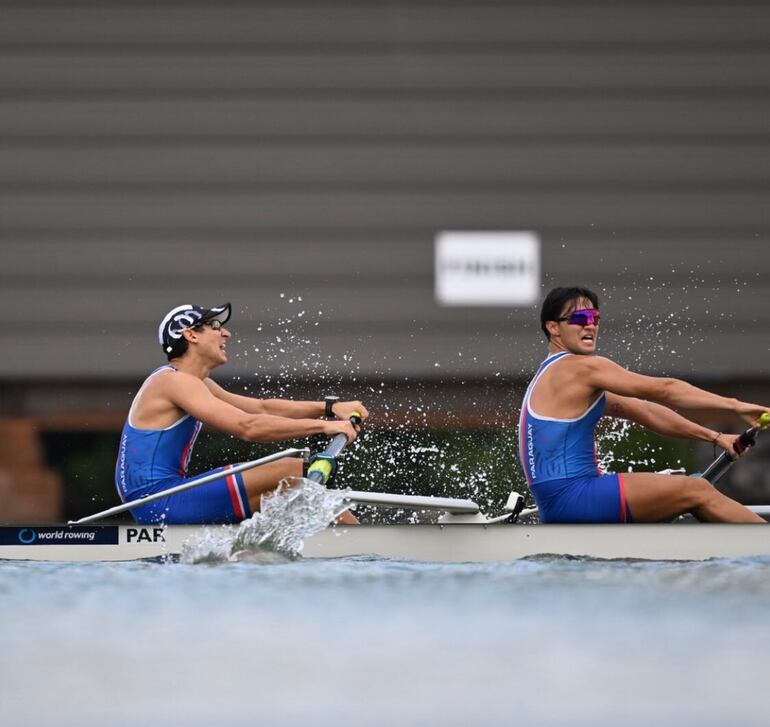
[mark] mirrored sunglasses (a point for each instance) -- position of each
(584, 317)
(215, 323)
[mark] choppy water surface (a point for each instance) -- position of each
(548, 641)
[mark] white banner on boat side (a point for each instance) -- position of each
(487, 268)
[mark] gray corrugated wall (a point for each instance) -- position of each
(158, 153)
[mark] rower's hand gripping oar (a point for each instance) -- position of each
(723, 463)
(324, 464)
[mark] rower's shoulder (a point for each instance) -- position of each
(585, 363)
(169, 379)
(584, 368)
(593, 362)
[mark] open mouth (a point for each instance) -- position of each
(587, 337)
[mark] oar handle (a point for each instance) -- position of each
(323, 466)
(723, 463)
(340, 441)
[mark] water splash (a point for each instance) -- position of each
(420, 439)
(611, 434)
(297, 509)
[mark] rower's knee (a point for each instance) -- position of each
(700, 492)
(296, 467)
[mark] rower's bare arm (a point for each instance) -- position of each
(286, 407)
(605, 375)
(657, 418)
(244, 403)
(668, 423)
(194, 397)
(276, 407)
(306, 409)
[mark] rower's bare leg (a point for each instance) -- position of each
(266, 477)
(347, 518)
(658, 498)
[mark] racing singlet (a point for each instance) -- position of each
(149, 457)
(557, 449)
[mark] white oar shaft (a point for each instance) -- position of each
(188, 486)
(418, 502)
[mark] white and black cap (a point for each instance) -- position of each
(187, 316)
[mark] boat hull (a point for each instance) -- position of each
(440, 543)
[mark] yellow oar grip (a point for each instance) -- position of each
(323, 467)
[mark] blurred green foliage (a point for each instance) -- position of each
(85, 461)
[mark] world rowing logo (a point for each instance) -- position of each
(27, 536)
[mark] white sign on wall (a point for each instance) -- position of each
(487, 268)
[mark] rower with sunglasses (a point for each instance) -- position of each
(175, 401)
(569, 394)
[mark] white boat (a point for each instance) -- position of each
(440, 543)
(462, 535)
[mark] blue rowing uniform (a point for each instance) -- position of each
(558, 457)
(151, 460)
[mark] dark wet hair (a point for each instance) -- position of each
(555, 301)
(179, 350)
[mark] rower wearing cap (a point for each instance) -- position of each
(572, 390)
(174, 402)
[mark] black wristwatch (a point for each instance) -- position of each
(330, 401)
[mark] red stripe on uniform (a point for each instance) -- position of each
(188, 449)
(235, 496)
(185, 456)
(623, 506)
